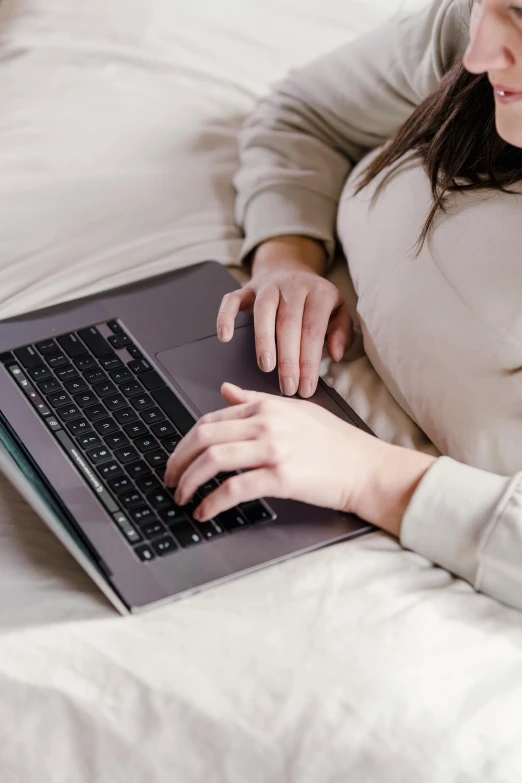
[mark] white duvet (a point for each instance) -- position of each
(360, 662)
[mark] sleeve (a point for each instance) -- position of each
(298, 147)
(469, 522)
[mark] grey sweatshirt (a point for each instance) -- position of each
(297, 152)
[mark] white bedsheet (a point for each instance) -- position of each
(357, 663)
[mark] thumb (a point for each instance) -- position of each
(339, 335)
(234, 395)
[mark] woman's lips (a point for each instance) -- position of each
(506, 94)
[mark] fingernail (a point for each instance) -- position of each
(339, 351)
(289, 387)
(305, 389)
(265, 361)
(223, 333)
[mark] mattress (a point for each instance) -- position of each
(360, 662)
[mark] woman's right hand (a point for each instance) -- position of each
(294, 304)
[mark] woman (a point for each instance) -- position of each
(442, 92)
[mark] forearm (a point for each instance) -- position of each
(287, 252)
(398, 472)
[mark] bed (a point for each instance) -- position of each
(360, 662)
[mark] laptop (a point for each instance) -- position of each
(95, 394)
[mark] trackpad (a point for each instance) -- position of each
(201, 367)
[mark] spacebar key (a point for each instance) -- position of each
(174, 409)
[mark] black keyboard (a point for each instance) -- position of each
(118, 421)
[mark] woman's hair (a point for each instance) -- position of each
(453, 131)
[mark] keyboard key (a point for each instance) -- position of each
(144, 552)
(126, 340)
(108, 470)
(152, 415)
(210, 529)
(59, 398)
(115, 341)
(66, 372)
(141, 402)
(85, 399)
(172, 514)
(130, 499)
(95, 412)
(140, 365)
(144, 514)
(56, 359)
(207, 488)
(69, 412)
(49, 386)
(111, 362)
(78, 426)
(97, 344)
(116, 440)
(255, 512)
(76, 385)
(151, 380)
(146, 444)
(152, 529)
(135, 352)
(72, 345)
(121, 376)
(131, 388)
(99, 455)
(46, 346)
(85, 362)
(174, 409)
(126, 454)
(106, 426)
(104, 389)
(171, 442)
(28, 356)
(148, 484)
(40, 373)
(185, 534)
(115, 327)
(160, 500)
(126, 528)
(163, 428)
(136, 429)
(231, 520)
(125, 415)
(120, 484)
(164, 546)
(95, 375)
(89, 440)
(115, 401)
(137, 469)
(156, 458)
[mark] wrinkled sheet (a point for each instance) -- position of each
(361, 662)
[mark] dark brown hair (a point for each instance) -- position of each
(453, 131)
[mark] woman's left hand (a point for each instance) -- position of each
(292, 449)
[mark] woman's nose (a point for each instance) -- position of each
(489, 48)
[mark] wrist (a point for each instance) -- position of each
(290, 252)
(396, 475)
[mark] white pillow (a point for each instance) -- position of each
(443, 330)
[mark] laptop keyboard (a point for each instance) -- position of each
(118, 422)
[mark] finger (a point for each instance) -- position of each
(315, 323)
(265, 313)
(231, 304)
(235, 395)
(288, 329)
(223, 458)
(238, 489)
(339, 333)
(202, 437)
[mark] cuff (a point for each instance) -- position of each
(289, 211)
(450, 513)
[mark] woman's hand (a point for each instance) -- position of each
(293, 449)
(292, 302)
